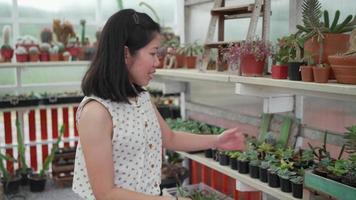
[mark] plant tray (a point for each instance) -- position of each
(196, 187)
(329, 187)
(18, 103)
(61, 100)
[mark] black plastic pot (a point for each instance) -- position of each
(234, 164)
(254, 171)
(37, 183)
(224, 159)
(297, 190)
(349, 180)
(208, 153)
(273, 180)
(293, 71)
(335, 178)
(12, 186)
(24, 176)
(243, 166)
(285, 185)
(263, 175)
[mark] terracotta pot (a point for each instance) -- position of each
(65, 57)
(44, 57)
(54, 57)
(161, 62)
(191, 61)
(345, 74)
(342, 60)
(180, 60)
(307, 73)
(321, 74)
(34, 57)
(7, 54)
(21, 57)
(344, 68)
(279, 71)
(333, 44)
(250, 66)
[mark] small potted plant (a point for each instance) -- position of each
(34, 54)
(272, 174)
(280, 60)
(250, 55)
(243, 163)
(263, 170)
(9, 181)
(66, 56)
(54, 53)
(297, 186)
(254, 164)
(285, 174)
(224, 159)
(21, 54)
(38, 180)
(295, 59)
(307, 70)
(234, 155)
(6, 50)
(44, 51)
(191, 52)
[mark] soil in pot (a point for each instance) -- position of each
(320, 172)
(263, 175)
(254, 171)
(243, 166)
(297, 190)
(37, 183)
(273, 180)
(285, 185)
(234, 164)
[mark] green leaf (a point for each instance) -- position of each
(336, 19)
(326, 19)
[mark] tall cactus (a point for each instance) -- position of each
(46, 35)
(82, 24)
(6, 31)
(347, 25)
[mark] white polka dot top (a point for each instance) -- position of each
(137, 148)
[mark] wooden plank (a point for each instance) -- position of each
(233, 10)
(285, 129)
(253, 24)
(329, 187)
(265, 123)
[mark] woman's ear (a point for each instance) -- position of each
(127, 55)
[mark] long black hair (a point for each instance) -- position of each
(107, 76)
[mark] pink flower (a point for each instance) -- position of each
(260, 49)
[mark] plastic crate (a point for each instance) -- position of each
(198, 187)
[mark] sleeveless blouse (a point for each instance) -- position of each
(136, 145)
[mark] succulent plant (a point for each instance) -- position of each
(20, 50)
(6, 31)
(44, 47)
(33, 50)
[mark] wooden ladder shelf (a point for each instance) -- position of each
(220, 13)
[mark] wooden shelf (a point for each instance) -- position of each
(192, 74)
(233, 10)
(263, 86)
(45, 64)
(246, 179)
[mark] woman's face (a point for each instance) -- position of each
(142, 65)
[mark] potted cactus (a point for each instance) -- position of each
(234, 155)
(6, 50)
(66, 56)
(21, 54)
(44, 52)
(54, 53)
(34, 53)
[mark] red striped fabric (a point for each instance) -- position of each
(44, 133)
(32, 136)
(8, 139)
